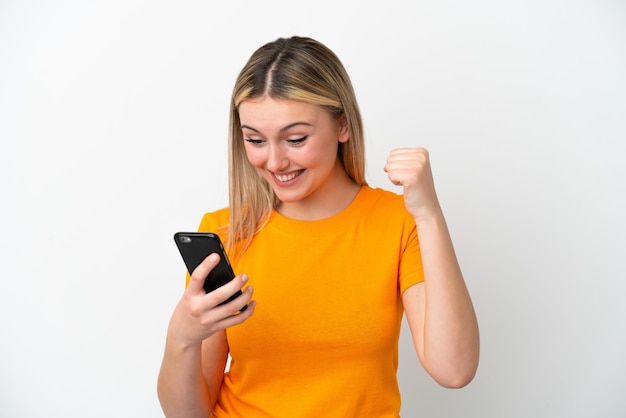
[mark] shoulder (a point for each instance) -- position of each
(385, 208)
(381, 199)
(215, 221)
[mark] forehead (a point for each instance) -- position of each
(266, 113)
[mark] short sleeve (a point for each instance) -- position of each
(215, 222)
(411, 271)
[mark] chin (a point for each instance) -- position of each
(289, 197)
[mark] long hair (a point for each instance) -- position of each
(295, 68)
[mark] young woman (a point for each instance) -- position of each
(334, 263)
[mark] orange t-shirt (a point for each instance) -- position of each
(323, 341)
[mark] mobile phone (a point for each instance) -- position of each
(194, 247)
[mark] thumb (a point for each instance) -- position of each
(195, 280)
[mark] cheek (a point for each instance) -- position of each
(324, 154)
(255, 156)
(311, 159)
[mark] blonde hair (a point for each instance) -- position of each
(295, 68)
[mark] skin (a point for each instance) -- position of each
(195, 349)
(439, 310)
(286, 138)
(293, 145)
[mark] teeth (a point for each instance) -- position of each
(287, 177)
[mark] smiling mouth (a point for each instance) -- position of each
(283, 178)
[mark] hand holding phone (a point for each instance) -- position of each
(194, 247)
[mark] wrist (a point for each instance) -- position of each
(430, 217)
(177, 340)
(182, 346)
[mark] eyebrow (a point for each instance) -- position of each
(283, 129)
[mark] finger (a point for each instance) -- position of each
(237, 317)
(232, 313)
(237, 305)
(408, 151)
(199, 275)
(403, 176)
(406, 158)
(419, 155)
(227, 290)
(217, 319)
(210, 315)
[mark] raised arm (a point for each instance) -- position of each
(439, 311)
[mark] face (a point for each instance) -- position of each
(294, 146)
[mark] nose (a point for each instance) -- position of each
(277, 160)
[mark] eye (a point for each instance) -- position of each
(297, 141)
(254, 141)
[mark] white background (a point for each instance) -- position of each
(113, 121)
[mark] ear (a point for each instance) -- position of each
(344, 129)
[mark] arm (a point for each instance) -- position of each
(190, 376)
(196, 348)
(439, 310)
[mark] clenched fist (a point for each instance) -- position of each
(410, 168)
